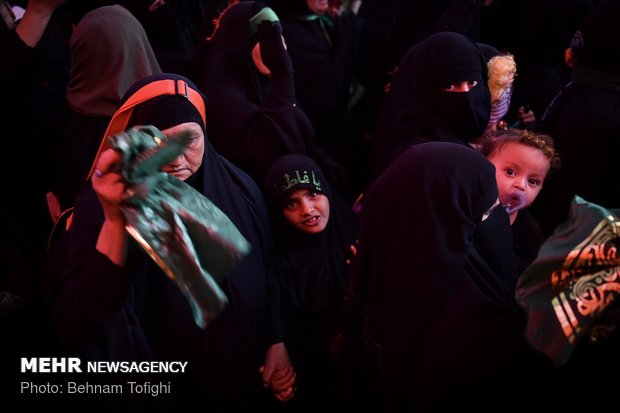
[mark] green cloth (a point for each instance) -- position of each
(326, 24)
(188, 237)
(570, 292)
(264, 14)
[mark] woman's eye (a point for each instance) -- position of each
(290, 205)
(313, 194)
(472, 83)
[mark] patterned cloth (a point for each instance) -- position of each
(570, 292)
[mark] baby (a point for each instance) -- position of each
(522, 161)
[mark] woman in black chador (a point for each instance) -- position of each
(115, 303)
(248, 80)
(439, 322)
(322, 49)
(584, 120)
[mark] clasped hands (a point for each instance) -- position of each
(278, 373)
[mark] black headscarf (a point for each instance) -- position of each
(102, 45)
(312, 266)
(596, 43)
(249, 127)
(541, 64)
(109, 52)
(415, 109)
(439, 318)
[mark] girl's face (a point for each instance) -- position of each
(307, 211)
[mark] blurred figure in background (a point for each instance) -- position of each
(584, 120)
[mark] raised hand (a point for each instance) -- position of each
(109, 184)
(272, 49)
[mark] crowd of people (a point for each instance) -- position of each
(379, 159)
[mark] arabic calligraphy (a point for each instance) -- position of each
(301, 178)
(588, 282)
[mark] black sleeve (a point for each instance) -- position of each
(18, 59)
(92, 314)
(527, 238)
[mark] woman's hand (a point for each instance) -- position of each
(109, 185)
(110, 188)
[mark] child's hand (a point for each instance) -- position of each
(283, 383)
(525, 115)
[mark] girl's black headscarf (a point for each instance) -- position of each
(416, 110)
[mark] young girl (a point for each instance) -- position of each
(522, 161)
(314, 229)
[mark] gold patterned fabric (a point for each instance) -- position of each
(571, 291)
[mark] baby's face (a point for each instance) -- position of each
(520, 171)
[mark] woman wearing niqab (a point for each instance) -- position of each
(417, 110)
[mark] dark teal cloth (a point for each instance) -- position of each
(570, 291)
(188, 237)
